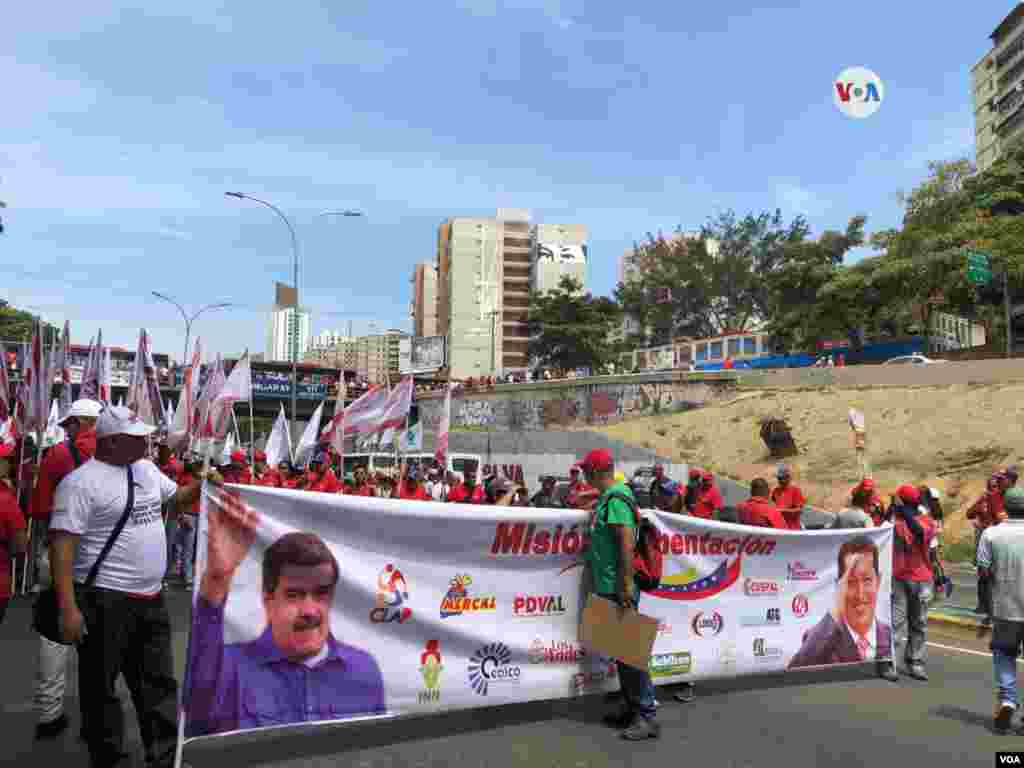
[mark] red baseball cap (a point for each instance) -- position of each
(705, 475)
(261, 456)
(909, 494)
(598, 460)
(238, 456)
(6, 450)
(867, 484)
(694, 473)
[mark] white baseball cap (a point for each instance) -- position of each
(118, 420)
(87, 409)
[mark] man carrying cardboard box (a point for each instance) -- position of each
(610, 556)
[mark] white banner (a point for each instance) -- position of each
(314, 607)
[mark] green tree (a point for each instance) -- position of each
(18, 325)
(570, 329)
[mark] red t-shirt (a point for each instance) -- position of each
(238, 476)
(787, 499)
(915, 564)
(269, 479)
(171, 469)
(760, 512)
(55, 467)
(11, 522)
(708, 500)
(420, 494)
(323, 483)
(362, 490)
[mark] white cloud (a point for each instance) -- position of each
(795, 199)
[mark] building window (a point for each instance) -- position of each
(716, 350)
(749, 346)
(702, 353)
(734, 347)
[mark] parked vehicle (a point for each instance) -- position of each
(912, 360)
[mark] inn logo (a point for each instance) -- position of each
(707, 624)
(491, 665)
(392, 596)
(430, 669)
(458, 601)
(799, 572)
(771, 617)
(538, 606)
(858, 92)
(560, 652)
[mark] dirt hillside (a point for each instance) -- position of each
(952, 438)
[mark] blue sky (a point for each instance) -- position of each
(123, 127)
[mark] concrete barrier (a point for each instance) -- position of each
(947, 373)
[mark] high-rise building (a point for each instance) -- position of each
(997, 83)
(288, 329)
(486, 267)
(333, 349)
(377, 356)
(424, 300)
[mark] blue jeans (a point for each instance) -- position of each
(185, 546)
(1007, 637)
(171, 526)
(636, 685)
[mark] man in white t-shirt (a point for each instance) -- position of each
(119, 623)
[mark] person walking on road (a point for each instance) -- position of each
(119, 622)
(788, 497)
(13, 538)
(986, 512)
(1001, 558)
(60, 461)
(613, 532)
(912, 581)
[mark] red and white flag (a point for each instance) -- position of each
(214, 384)
(181, 428)
(143, 391)
(237, 389)
(359, 418)
(64, 371)
(105, 373)
(441, 449)
(5, 387)
(33, 416)
(90, 387)
(396, 409)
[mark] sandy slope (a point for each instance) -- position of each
(949, 437)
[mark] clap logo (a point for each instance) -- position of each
(858, 92)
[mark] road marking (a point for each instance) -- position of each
(962, 650)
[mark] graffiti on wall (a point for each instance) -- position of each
(568, 406)
(511, 472)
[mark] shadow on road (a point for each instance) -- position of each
(965, 716)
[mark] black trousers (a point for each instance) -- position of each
(130, 636)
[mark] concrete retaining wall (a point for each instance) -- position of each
(946, 373)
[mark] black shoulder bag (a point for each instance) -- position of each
(45, 611)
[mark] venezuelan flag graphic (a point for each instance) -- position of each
(689, 585)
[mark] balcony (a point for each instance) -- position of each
(1010, 51)
(517, 242)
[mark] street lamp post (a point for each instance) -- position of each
(294, 337)
(189, 320)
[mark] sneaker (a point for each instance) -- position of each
(917, 672)
(52, 729)
(1003, 716)
(642, 730)
(687, 694)
(888, 672)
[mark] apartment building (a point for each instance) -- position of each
(424, 300)
(997, 83)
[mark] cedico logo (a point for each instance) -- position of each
(707, 624)
(490, 665)
(858, 92)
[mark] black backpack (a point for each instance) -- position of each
(647, 556)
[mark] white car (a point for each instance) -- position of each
(912, 360)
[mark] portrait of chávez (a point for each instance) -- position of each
(295, 671)
(850, 632)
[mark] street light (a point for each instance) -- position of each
(189, 320)
(294, 345)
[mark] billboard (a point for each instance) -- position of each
(562, 254)
(421, 354)
(274, 384)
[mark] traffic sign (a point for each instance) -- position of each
(979, 267)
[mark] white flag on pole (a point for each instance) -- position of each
(279, 446)
(54, 433)
(237, 389)
(225, 453)
(308, 442)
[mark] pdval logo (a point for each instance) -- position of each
(858, 92)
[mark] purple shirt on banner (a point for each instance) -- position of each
(252, 685)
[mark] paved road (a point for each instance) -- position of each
(800, 720)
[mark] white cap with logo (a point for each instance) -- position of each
(118, 420)
(86, 409)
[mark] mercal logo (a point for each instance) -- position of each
(799, 572)
(458, 601)
(535, 606)
(707, 624)
(858, 92)
(392, 594)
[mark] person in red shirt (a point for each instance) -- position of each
(759, 510)
(13, 536)
(166, 461)
(321, 478)
(238, 471)
(361, 486)
(60, 461)
(581, 495)
(263, 475)
(789, 498)
(709, 498)
(912, 580)
(864, 496)
(412, 489)
(987, 511)
(467, 491)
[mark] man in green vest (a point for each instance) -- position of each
(610, 557)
